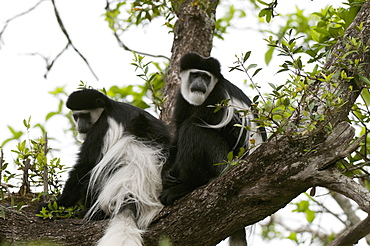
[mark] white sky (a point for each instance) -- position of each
(24, 91)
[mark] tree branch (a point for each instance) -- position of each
(353, 234)
(276, 172)
(122, 45)
(70, 43)
(15, 17)
(346, 206)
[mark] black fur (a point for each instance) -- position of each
(196, 148)
(194, 61)
(134, 120)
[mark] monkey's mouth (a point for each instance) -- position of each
(198, 87)
(198, 91)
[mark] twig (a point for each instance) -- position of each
(70, 43)
(15, 17)
(1, 164)
(326, 209)
(25, 188)
(122, 45)
(13, 211)
(45, 174)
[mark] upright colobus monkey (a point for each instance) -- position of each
(204, 137)
(118, 172)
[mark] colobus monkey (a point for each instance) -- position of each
(118, 171)
(204, 137)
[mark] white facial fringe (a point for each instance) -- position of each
(246, 120)
(129, 172)
(195, 98)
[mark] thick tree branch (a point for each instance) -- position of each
(276, 172)
(268, 179)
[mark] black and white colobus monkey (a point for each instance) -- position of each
(118, 172)
(203, 137)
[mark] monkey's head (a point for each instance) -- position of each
(199, 76)
(87, 106)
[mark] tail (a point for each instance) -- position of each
(122, 231)
(238, 238)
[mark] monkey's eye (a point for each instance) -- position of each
(75, 117)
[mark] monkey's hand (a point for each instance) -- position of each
(168, 180)
(167, 197)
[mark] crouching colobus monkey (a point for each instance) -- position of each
(204, 137)
(118, 171)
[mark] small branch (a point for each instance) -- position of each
(122, 45)
(13, 211)
(70, 43)
(1, 164)
(45, 174)
(335, 181)
(353, 234)
(25, 188)
(317, 233)
(346, 206)
(15, 17)
(327, 210)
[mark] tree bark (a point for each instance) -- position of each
(193, 32)
(268, 179)
(277, 171)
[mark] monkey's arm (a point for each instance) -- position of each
(198, 149)
(75, 187)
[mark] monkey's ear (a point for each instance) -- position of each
(100, 103)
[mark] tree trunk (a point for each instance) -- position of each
(267, 180)
(277, 171)
(193, 32)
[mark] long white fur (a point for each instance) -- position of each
(198, 98)
(122, 230)
(129, 172)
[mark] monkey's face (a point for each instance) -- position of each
(196, 85)
(84, 119)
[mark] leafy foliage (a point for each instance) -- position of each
(304, 41)
(140, 12)
(54, 211)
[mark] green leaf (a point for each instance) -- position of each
(272, 86)
(268, 55)
(262, 2)
(365, 96)
(251, 66)
(230, 156)
(263, 13)
(49, 115)
(246, 56)
(310, 215)
(363, 78)
(293, 236)
(241, 152)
